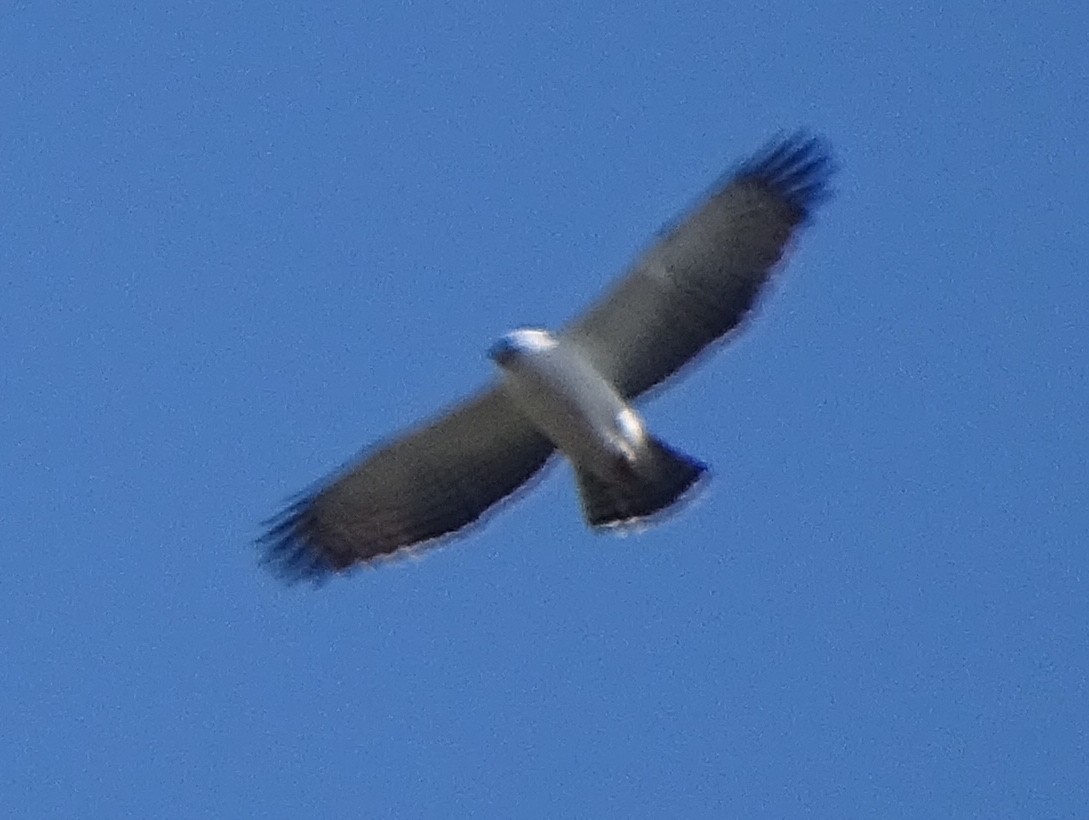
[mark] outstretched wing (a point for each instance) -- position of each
(428, 483)
(698, 282)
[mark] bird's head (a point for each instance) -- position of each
(520, 343)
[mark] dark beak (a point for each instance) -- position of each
(502, 351)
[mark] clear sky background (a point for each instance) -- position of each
(239, 245)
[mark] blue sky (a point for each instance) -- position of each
(239, 245)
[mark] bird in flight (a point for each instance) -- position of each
(571, 390)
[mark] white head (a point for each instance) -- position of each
(520, 343)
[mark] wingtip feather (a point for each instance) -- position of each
(797, 168)
(287, 548)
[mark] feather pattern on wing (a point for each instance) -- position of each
(705, 274)
(416, 488)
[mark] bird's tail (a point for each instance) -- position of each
(657, 481)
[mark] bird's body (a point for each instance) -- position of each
(624, 474)
(571, 390)
(570, 402)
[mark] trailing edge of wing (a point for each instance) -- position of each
(415, 489)
(704, 275)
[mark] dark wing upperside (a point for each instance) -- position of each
(701, 279)
(426, 484)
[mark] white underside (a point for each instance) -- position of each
(572, 404)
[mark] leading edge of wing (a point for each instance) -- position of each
(298, 545)
(794, 172)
